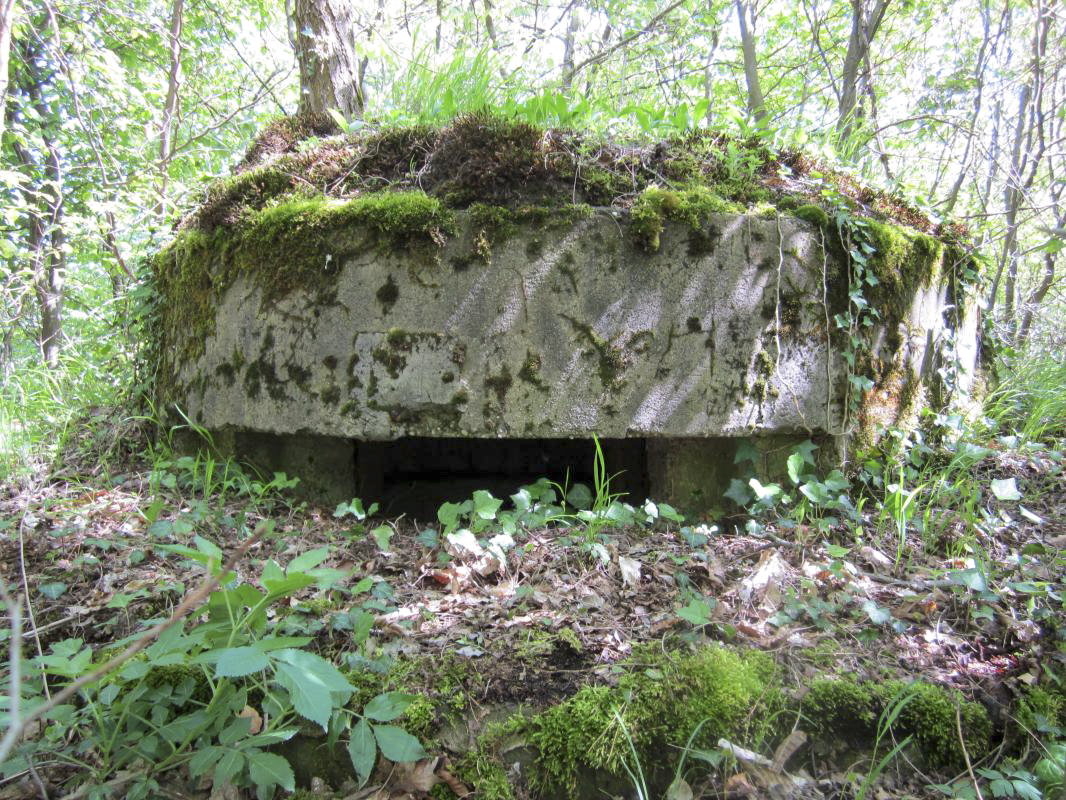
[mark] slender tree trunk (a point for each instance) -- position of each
(1036, 297)
(7, 21)
(45, 236)
(331, 72)
(569, 42)
(864, 27)
(1027, 154)
(983, 55)
(746, 18)
(172, 104)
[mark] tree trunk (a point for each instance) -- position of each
(331, 72)
(7, 20)
(746, 17)
(863, 29)
(45, 236)
(172, 103)
(568, 49)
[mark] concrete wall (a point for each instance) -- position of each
(567, 331)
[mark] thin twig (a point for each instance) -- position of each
(41, 788)
(14, 673)
(965, 754)
(600, 56)
(26, 594)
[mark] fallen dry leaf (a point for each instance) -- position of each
(417, 776)
(630, 569)
(256, 720)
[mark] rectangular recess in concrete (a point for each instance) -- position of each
(414, 475)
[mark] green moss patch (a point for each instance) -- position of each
(902, 262)
(813, 214)
(296, 244)
(692, 207)
(852, 710)
(657, 706)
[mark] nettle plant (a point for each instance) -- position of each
(212, 699)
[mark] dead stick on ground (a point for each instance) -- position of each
(191, 601)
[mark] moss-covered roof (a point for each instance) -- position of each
(486, 159)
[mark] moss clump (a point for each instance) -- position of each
(654, 207)
(297, 244)
(902, 262)
(722, 692)
(530, 371)
(226, 200)
(282, 135)
(929, 716)
(500, 382)
(853, 710)
(841, 708)
(813, 214)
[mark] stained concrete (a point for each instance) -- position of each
(561, 332)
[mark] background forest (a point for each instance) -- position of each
(118, 114)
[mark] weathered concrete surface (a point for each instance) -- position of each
(568, 331)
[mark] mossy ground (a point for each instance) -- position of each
(658, 703)
(854, 711)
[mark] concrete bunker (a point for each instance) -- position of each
(369, 343)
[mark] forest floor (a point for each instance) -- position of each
(971, 607)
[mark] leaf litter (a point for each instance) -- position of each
(537, 616)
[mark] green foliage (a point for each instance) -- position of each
(1029, 400)
(193, 697)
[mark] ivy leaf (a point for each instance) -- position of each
(767, 492)
(382, 535)
(362, 750)
(816, 492)
(580, 496)
(795, 468)
(835, 481)
(448, 515)
(877, 615)
(52, 590)
(746, 452)
(971, 578)
(397, 744)
(698, 612)
(485, 505)
(739, 492)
